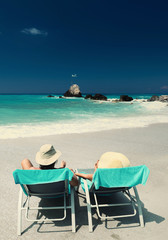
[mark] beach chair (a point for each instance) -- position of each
(45, 184)
(110, 181)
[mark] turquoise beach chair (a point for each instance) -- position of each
(109, 181)
(44, 184)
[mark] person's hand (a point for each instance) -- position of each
(63, 164)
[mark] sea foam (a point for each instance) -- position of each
(30, 116)
(100, 124)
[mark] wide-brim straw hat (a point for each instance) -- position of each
(47, 155)
(113, 160)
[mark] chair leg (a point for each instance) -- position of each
(73, 210)
(89, 209)
(141, 219)
(90, 217)
(19, 224)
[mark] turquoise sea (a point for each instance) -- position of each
(38, 115)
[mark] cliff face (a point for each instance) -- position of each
(74, 91)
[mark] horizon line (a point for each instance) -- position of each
(118, 93)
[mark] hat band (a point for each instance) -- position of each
(49, 154)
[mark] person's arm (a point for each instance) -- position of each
(84, 175)
(88, 176)
(63, 164)
(27, 165)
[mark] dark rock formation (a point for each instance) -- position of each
(89, 96)
(153, 98)
(125, 98)
(96, 97)
(99, 97)
(50, 96)
(74, 91)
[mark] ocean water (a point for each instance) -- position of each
(38, 115)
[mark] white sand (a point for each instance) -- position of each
(141, 145)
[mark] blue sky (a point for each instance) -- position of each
(108, 46)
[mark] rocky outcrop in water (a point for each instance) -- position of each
(125, 98)
(74, 91)
(153, 98)
(162, 98)
(88, 96)
(50, 96)
(97, 96)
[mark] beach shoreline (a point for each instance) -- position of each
(147, 145)
(32, 116)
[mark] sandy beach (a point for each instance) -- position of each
(147, 145)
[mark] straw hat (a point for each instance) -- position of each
(113, 160)
(47, 155)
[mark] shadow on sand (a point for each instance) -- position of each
(82, 218)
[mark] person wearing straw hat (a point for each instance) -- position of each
(108, 160)
(47, 157)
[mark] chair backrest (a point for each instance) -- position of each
(43, 182)
(47, 189)
(105, 190)
(120, 177)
